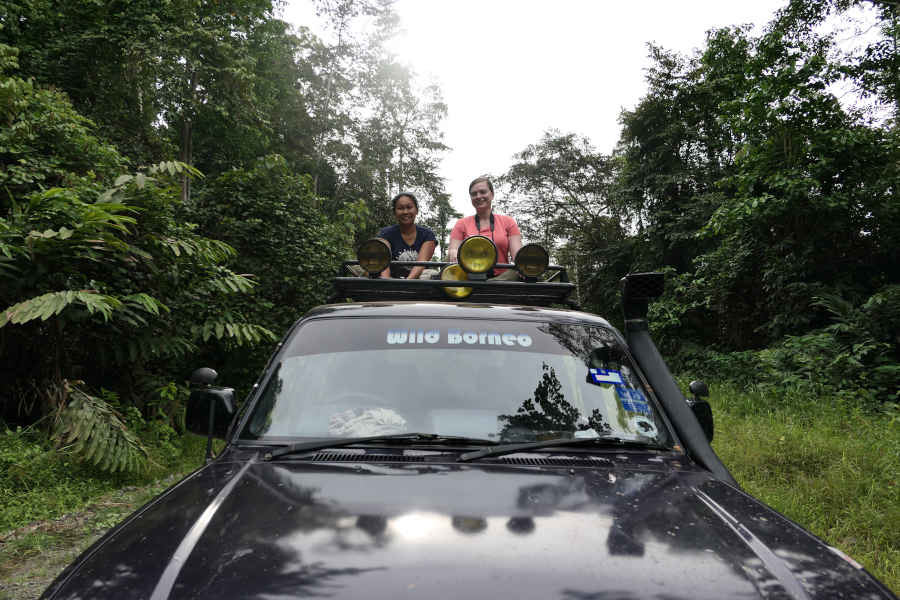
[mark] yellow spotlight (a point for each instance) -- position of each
(374, 255)
(477, 254)
(532, 260)
(455, 273)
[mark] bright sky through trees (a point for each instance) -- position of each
(509, 70)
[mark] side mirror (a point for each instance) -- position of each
(203, 376)
(699, 389)
(701, 408)
(209, 409)
(211, 404)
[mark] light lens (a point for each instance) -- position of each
(374, 256)
(532, 260)
(455, 273)
(477, 254)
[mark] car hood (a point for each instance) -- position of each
(633, 527)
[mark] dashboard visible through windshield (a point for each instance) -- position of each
(508, 381)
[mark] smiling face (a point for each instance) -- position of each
(405, 210)
(482, 197)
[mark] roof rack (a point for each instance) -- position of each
(553, 289)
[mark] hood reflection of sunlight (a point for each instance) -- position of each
(417, 526)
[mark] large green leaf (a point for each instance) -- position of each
(52, 304)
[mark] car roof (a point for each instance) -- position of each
(454, 310)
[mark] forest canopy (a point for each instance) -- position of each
(770, 202)
(181, 179)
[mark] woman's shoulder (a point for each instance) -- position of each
(505, 218)
(462, 224)
(468, 220)
(389, 230)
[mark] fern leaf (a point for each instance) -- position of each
(88, 445)
(113, 455)
(49, 305)
(101, 452)
(98, 434)
(147, 302)
(84, 427)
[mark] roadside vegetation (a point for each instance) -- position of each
(52, 506)
(39, 482)
(830, 465)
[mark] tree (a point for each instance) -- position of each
(97, 265)
(148, 74)
(562, 191)
(440, 215)
(282, 237)
(562, 185)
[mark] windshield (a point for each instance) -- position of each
(508, 381)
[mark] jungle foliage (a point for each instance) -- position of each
(177, 181)
(770, 201)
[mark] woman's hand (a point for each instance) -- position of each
(453, 250)
(425, 254)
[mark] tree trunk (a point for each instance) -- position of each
(187, 140)
(186, 156)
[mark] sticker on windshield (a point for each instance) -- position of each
(606, 376)
(633, 400)
(643, 426)
(457, 337)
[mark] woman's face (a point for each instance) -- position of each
(405, 210)
(481, 196)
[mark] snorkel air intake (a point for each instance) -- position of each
(638, 289)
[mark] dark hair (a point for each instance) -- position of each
(400, 195)
(482, 179)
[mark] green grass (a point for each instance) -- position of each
(38, 483)
(833, 469)
(31, 556)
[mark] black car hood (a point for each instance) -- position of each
(635, 527)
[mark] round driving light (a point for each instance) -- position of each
(374, 256)
(532, 260)
(455, 273)
(477, 254)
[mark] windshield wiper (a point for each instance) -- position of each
(512, 448)
(341, 443)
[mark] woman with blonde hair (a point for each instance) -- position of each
(500, 229)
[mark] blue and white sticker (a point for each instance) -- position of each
(606, 376)
(632, 400)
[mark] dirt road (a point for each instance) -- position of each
(31, 556)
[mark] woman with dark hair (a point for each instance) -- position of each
(408, 241)
(501, 229)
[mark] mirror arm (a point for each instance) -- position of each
(209, 437)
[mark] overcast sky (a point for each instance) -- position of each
(511, 69)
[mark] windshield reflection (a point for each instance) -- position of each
(504, 381)
(547, 412)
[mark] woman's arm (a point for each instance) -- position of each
(425, 254)
(515, 244)
(453, 249)
(386, 274)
